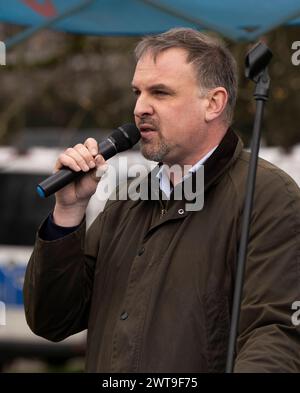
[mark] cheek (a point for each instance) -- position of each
(178, 122)
(187, 119)
(174, 115)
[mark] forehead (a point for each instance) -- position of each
(169, 66)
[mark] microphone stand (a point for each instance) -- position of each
(256, 64)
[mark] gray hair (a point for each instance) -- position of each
(213, 62)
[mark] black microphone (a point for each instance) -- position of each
(123, 138)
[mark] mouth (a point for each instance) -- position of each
(147, 134)
(144, 128)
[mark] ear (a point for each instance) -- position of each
(216, 102)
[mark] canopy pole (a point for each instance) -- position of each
(24, 35)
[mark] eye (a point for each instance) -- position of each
(160, 92)
(136, 92)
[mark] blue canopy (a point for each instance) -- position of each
(240, 20)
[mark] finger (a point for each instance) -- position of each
(101, 168)
(76, 157)
(85, 155)
(92, 145)
(99, 160)
(69, 162)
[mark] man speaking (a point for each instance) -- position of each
(152, 281)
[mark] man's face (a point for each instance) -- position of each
(170, 108)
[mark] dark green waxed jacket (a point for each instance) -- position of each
(153, 282)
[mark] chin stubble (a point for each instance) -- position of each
(154, 153)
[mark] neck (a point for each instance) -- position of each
(180, 168)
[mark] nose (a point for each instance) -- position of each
(143, 106)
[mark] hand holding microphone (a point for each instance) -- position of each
(72, 199)
(75, 179)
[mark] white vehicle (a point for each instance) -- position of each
(21, 212)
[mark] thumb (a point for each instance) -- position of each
(101, 167)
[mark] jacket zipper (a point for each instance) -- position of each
(164, 208)
(163, 212)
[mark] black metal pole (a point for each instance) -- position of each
(244, 238)
(261, 95)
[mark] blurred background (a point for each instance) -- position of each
(65, 81)
(58, 88)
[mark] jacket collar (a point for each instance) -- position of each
(215, 166)
(223, 157)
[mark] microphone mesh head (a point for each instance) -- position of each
(126, 136)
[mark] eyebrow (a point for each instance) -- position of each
(158, 86)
